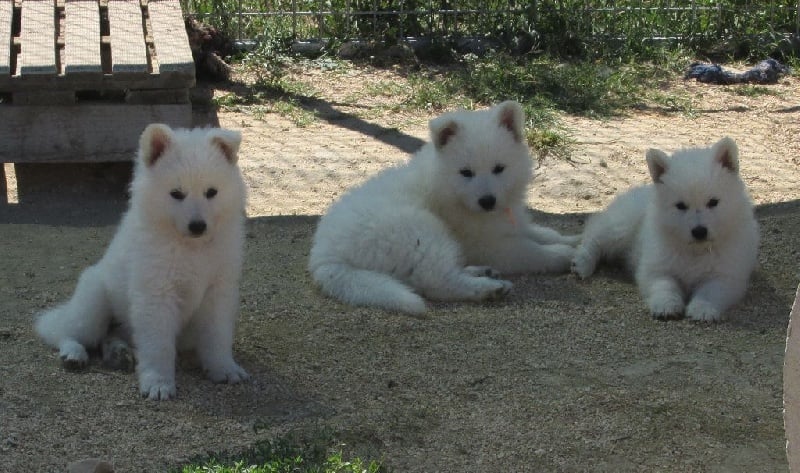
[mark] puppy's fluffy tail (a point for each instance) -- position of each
(367, 288)
(49, 327)
(84, 318)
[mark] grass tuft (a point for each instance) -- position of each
(321, 453)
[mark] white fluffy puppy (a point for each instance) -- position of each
(170, 276)
(690, 237)
(409, 231)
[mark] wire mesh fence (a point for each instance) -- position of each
(581, 19)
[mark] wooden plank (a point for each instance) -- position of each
(94, 82)
(6, 7)
(169, 36)
(81, 133)
(82, 38)
(128, 50)
(38, 38)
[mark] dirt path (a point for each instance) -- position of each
(561, 376)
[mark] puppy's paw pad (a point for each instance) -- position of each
(701, 311)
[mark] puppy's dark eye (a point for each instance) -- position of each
(712, 203)
(210, 193)
(498, 169)
(466, 172)
(681, 206)
(177, 195)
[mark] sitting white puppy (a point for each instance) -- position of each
(170, 277)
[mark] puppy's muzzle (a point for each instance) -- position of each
(487, 202)
(197, 227)
(700, 233)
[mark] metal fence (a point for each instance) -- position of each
(394, 19)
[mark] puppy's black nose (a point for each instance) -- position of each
(487, 202)
(197, 227)
(700, 233)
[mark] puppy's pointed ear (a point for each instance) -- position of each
(511, 117)
(726, 153)
(657, 163)
(443, 129)
(228, 142)
(155, 140)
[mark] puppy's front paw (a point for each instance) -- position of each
(702, 311)
(583, 264)
(73, 355)
(666, 306)
(560, 257)
(482, 271)
(230, 373)
(156, 387)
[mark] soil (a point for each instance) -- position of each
(562, 375)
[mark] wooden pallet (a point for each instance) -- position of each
(80, 79)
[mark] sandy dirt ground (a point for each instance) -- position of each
(562, 375)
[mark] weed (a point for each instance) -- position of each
(749, 90)
(293, 453)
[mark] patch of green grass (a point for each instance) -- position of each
(435, 91)
(550, 141)
(671, 102)
(290, 454)
(385, 89)
(272, 90)
(750, 90)
(547, 86)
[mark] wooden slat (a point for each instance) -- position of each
(82, 132)
(82, 38)
(38, 38)
(169, 35)
(128, 52)
(95, 82)
(5, 36)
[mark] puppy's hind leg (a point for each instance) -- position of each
(549, 236)
(460, 284)
(439, 274)
(80, 323)
(367, 288)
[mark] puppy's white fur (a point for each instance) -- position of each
(170, 276)
(409, 231)
(690, 237)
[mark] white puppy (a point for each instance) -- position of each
(170, 277)
(690, 237)
(409, 231)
